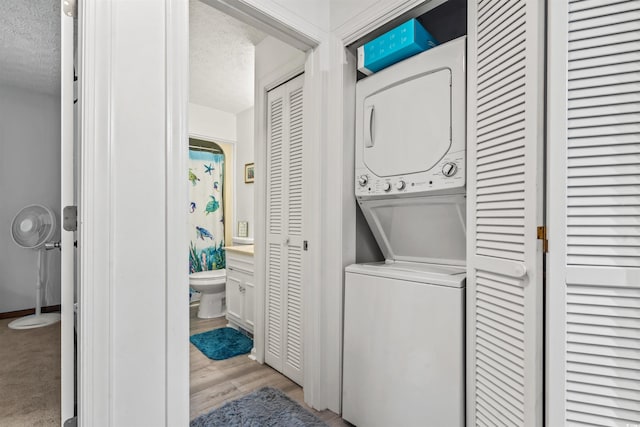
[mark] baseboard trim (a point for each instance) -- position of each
(28, 311)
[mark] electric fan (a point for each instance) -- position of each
(31, 228)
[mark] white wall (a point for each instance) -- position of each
(312, 12)
(342, 11)
(272, 54)
(244, 155)
(211, 123)
(308, 17)
(29, 173)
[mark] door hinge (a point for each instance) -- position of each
(70, 218)
(70, 8)
(542, 235)
(305, 246)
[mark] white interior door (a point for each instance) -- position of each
(284, 293)
(67, 168)
(594, 214)
(505, 206)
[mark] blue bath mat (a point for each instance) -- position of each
(222, 343)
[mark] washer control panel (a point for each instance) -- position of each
(449, 172)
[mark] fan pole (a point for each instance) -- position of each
(31, 228)
(39, 284)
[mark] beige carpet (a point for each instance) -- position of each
(29, 376)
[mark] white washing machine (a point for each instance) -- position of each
(404, 335)
(404, 345)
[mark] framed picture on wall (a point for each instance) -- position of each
(249, 173)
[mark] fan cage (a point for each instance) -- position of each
(42, 219)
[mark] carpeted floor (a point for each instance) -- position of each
(29, 376)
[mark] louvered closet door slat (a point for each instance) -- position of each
(295, 162)
(293, 362)
(597, 272)
(285, 203)
(275, 258)
(293, 333)
(274, 310)
(294, 345)
(504, 331)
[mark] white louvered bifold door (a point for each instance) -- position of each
(594, 213)
(283, 311)
(505, 205)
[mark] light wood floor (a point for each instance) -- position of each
(215, 382)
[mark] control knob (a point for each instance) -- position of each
(386, 186)
(449, 169)
(362, 180)
(400, 185)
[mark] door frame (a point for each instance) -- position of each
(67, 198)
(268, 17)
(556, 184)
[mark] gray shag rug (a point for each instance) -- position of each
(265, 407)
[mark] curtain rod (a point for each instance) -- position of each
(210, 150)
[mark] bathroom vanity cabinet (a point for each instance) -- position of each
(240, 287)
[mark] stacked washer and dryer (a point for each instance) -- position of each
(404, 318)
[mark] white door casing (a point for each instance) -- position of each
(593, 315)
(284, 275)
(505, 206)
(133, 357)
(67, 198)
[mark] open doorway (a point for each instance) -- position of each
(35, 390)
(229, 60)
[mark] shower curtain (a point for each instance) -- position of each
(206, 217)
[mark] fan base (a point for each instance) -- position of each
(35, 321)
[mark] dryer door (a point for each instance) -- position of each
(407, 125)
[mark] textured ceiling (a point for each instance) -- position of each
(221, 52)
(221, 58)
(30, 44)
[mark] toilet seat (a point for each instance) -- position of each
(210, 277)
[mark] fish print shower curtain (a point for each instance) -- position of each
(206, 217)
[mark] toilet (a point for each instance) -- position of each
(211, 284)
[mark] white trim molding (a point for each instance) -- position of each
(176, 149)
(133, 330)
(95, 240)
(556, 206)
(67, 198)
(379, 14)
(273, 19)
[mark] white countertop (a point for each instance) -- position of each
(241, 249)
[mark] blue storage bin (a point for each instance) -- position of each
(393, 46)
